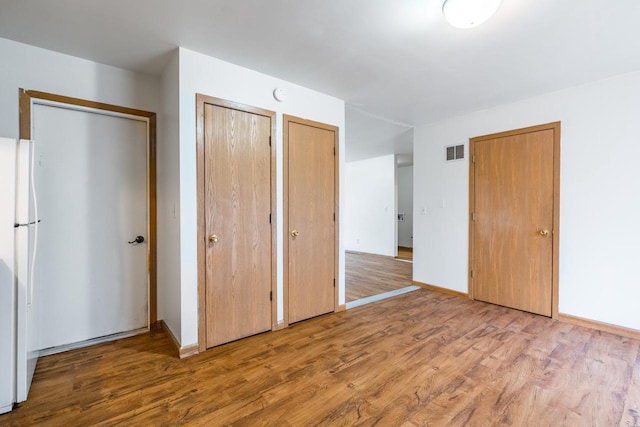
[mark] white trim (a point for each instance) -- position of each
(66, 106)
(379, 297)
(93, 341)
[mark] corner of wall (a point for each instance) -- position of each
(168, 194)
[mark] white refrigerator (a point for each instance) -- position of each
(18, 254)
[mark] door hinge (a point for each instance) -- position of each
(334, 283)
(473, 216)
(270, 295)
(334, 217)
(334, 151)
(269, 140)
(269, 218)
(474, 159)
(472, 273)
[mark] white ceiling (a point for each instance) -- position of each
(372, 136)
(395, 59)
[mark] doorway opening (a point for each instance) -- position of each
(404, 194)
(379, 228)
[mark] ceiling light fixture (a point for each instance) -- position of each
(468, 13)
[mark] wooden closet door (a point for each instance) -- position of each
(311, 219)
(237, 223)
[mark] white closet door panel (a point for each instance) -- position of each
(91, 173)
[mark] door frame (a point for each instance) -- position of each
(26, 101)
(286, 119)
(555, 126)
(201, 101)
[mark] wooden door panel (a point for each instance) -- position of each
(311, 207)
(237, 209)
(514, 193)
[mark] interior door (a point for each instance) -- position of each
(311, 226)
(237, 211)
(91, 175)
(513, 220)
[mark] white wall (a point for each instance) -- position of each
(370, 213)
(29, 67)
(599, 202)
(210, 76)
(405, 205)
(168, 199)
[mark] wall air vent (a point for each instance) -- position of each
(454, 152)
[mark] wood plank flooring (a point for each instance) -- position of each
(405, 253)
(419, 359)
(368, 275)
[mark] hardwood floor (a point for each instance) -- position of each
(405, 253)
(419, 359)
(368, 275)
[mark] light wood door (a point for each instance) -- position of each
(513, 220)
(310, 219)
(237, 208)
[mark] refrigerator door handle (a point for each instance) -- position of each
(26, 224)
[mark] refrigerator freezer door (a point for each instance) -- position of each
(22, 183)
(7, 278)
(23, 376)
(26, 343)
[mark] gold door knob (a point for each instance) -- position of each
(543, 233)
(295, 233)
(213, 238)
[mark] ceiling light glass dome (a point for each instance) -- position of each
(469, 13)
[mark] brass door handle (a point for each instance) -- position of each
(543, 233)
(213, 238)
(295, 233)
